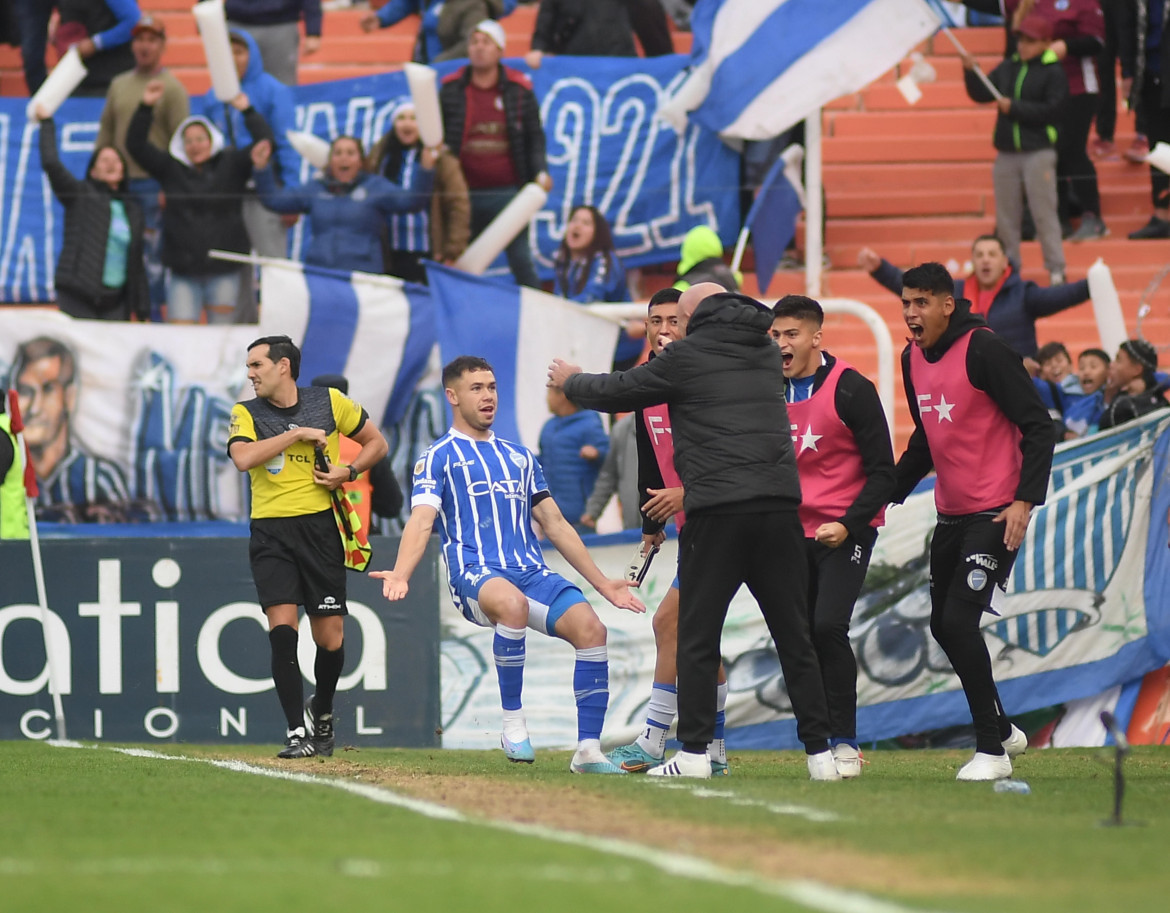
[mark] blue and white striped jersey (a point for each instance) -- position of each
(410, 230)
(483, 492)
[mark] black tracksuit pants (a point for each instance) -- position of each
(764, 550)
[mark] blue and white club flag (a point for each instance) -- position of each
(760, 66)
(772, 219)
(376, 330)
(519, 331)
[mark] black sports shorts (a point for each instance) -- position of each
(299, 561)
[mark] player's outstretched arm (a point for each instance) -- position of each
(416, 532)
(561, 534)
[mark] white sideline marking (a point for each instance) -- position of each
(811, 894)
(817, 815)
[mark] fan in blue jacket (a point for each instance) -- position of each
(269, 96)
(347, 207)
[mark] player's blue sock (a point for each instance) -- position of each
(591, 688)
(508, 652)
(660, 714)
(720, 709)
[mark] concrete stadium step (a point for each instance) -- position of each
(967, 147)
(907, 123)
(880, 202)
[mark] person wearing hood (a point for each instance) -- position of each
(100, 272)
(347, 206)
(980, 425)
(443, 232)
(701, 260)
(204, 183)
(724, 383)
(445, 25)
(1010, 304)
(273, 100)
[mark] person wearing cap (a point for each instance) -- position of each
(275, 26)
(445, 26)
(100, 30)
(724, 383)
(1033, 89)
(443, 232)
(491, 122)
(980, 425)
(1134, 387)
(1144, 48)
(148, 43)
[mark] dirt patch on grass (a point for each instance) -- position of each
(580, 808)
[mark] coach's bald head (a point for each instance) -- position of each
(691, 299)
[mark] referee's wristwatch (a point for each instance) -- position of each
(353, 473)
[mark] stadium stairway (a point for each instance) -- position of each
(912, 182)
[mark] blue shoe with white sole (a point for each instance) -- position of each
(518, 752)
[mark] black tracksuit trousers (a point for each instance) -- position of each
(766, 551)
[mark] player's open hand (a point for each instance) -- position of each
(664, 503)
(1015, 519)
(394, 587)
(560, 371)
(618, 593)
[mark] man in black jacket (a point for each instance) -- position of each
(1143, 44)
(725, 386)
(491, 123)
(980, 424)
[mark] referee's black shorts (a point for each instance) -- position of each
(299, 561)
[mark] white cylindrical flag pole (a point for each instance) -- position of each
(217, 47)
(424, 92)
(503, 228)
(66, 76)
(310, 147)
(1106, 307)
(814, 242)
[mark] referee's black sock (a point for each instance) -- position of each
(327, 670)
(286, 674)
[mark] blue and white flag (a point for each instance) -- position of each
(760, 66)
(519, 331)
(772, 219)
(376, 330)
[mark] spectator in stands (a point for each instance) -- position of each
(701, 260)
(1103, 147)
(618, 475)
(1033, 90)
(573, 445)
(491, 121)
(99, 275)
(443, 232)
(101, 31)
(1083, 414)
(1133, 389)
(650, 24)
(1056, 367)
(274, 25)
(267, 232)
(347, 206)
(1078, 30)
(204, 184)
(586, 267)
(584, 28)
(32, 18)
(446, 25)
(1011, 305)
(147, 44)
(1144, 48)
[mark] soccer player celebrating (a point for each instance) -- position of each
(486, 492)
(979, 423)
(846, 468)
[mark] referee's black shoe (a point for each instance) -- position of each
(298, 745)
(320, 727)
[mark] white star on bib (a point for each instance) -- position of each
(808, 440)
(943, 409)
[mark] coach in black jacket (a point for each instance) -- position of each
(733, 451)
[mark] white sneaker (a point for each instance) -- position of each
(986, 767)
(684, 764)
(848, 761)
(822, 766)
(1016, 743)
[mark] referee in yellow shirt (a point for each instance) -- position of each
(296, 552)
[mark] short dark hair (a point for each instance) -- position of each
(281, 347)
(989, 237)
(38, 349)
(1097, 353)
(668, 295)
(1051, 350)
(1142, 353)
(930, 277)
(456, 368)
(353, 139)
(799, 307)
